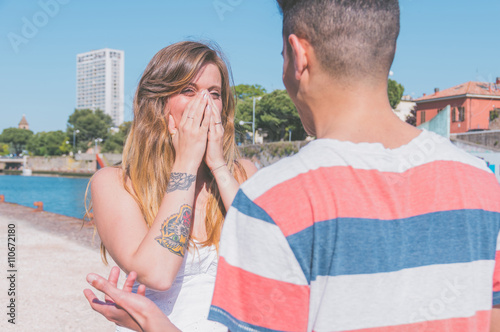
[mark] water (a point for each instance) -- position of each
(59, 194)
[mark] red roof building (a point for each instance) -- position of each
(471, 104)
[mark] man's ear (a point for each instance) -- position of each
(299, 49)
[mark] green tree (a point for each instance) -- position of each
(395, 92)
(115, 141)
(244, 106)
(244, 91)
(91, 124)
(52, 143)
(244, 109)
(275, 114)
(18, 138)
(412, 117)
(4, 149)
(494, 114)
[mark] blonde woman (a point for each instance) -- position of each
(160, 214)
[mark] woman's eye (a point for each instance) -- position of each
(215, 95)
(188, 92)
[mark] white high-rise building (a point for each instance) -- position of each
(100, 82)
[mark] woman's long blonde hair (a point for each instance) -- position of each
(148, 154)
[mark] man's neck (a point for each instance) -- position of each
(357, 114)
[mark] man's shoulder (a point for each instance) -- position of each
(431, 147)
(283, 170)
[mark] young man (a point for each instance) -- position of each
(374, 226)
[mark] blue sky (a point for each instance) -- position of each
(442, 43)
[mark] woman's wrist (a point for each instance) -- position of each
(187, 166)
(218, 167)
(222, 176)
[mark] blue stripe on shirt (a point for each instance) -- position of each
(496, 298)
(347, 246)
(219, 315)
(245, 205)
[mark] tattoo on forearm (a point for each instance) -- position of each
(180, 181)
(175, 231)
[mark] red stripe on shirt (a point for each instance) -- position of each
(345, 192)
(261, 301)
(479, 322)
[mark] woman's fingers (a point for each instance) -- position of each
(104, 308)
(188, 112)
(193, 108)
(90, 296)
(129, 283)
(141, 290)
(103, 285)
(111, 311)
(199, 110)
(215, 110)
(214, 156)
(207, 119)
(216, 127)
(114, 275)
(211, 131)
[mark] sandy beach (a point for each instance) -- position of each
(53, 255)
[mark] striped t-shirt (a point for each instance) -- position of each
(357, 237)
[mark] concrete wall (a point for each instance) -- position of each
(472, 147)
(61, 164)
(490, 139)
(261, 154)
(111, 159)
(82, 163)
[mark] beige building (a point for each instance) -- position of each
(24, 124)
(100, 82)
(405, 106)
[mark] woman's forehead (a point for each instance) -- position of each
(208, 76)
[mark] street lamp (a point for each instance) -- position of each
(253, 119)
(97, 140)
(74, 137)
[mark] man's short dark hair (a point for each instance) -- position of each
(351, 38)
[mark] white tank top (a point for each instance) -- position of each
(187, 302)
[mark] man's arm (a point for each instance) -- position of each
(125, 308)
